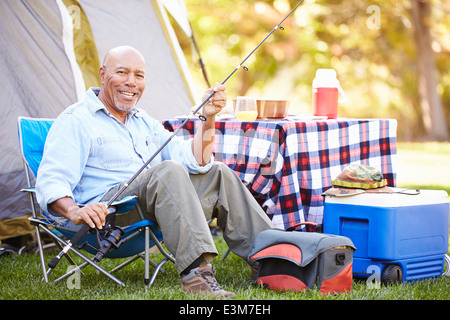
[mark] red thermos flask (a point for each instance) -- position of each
(326, 90)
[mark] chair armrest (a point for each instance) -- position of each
(124, 205)
(121, 206)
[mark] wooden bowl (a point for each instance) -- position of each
(272, 109)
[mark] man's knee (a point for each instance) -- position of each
(222, 167)
(170, 167)
(168, 171)
(225, 171)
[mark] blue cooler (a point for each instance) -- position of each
(402, 237)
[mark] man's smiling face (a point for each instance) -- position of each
(122, 78)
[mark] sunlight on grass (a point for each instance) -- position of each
(424, 165)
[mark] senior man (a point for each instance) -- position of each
(100, 142)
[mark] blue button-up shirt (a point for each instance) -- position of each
(88, 151)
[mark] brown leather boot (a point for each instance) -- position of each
(201, 280)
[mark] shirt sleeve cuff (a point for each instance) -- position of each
(192, 164)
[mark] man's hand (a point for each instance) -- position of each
(204, 138)
(93, 214)
(217, 101)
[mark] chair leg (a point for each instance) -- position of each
(149, 232)
(160, 248)
(37, 230)
(132, 259)
(69, 258)
(86, 259)
(41, 253)
(168, 257)
(155, 273)
(55, 239)
(147, 256)
(71, 272)
(226, 254)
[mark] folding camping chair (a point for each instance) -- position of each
(135, 242)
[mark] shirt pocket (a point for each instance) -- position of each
(148, 145)
(114, 153)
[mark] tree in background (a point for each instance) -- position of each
(378, 48)
(430, 101)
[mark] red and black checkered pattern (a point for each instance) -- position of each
(287, 165)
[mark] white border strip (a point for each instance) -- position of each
(67, 39)
(176, 50)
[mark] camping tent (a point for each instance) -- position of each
(50, 53)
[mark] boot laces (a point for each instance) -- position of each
(208, 276)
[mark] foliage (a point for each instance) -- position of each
(369, 43)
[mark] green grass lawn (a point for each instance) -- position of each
(20, 280)
(424, 166)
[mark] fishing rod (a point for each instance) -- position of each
(85, 228)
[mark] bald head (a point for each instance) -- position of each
(122, 53)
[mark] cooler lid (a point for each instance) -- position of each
(395, 199)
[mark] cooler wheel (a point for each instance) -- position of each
(392, 274)
(446, 266)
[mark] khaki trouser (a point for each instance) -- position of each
(182, 203)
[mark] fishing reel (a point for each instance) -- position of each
(108, 238)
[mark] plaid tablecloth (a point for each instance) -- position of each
(287, 165)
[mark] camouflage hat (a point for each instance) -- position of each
(360, 176)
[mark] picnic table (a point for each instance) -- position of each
(287, 164)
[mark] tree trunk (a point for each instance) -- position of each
(430, 102)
